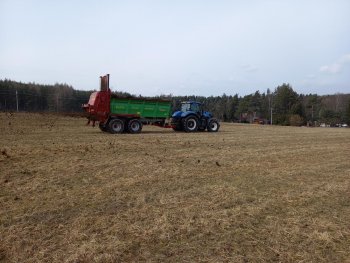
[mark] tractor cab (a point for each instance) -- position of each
(191, 106)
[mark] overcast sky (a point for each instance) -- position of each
(179, 47)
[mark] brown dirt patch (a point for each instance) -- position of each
(70, 193)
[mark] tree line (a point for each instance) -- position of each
(283, 106)
(34, 97)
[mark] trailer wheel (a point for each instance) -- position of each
(116, 126)
(103, 127)
(213, 125)
(190, 124)
(134, 126)
(126, 124)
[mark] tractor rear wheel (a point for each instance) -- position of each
(190, 124)
(116, 126)
(213, 125)
(134, 126)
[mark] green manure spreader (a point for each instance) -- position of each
(117, 115)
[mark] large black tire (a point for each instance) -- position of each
(202, 125)
(126, 124)
(134, 126)
(190, 124)
(177, 124)
(213, 125)
(178, 127)
(103, 127)
(116, 126)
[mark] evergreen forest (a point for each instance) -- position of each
(283, 105)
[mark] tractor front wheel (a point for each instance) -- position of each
(213, 125)
(176, 128)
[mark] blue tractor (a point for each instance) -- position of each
(193, 118)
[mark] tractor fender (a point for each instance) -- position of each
(189, 113)
(207, 115)
(182, 115)
(177, 114)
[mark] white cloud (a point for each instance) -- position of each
(249, 68)
(333, 69)
(310, 76)
(345, 59)
(337, 66)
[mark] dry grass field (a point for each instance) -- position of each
(249, 193)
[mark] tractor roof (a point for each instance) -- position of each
(191, 102)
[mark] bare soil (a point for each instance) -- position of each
(249, 193)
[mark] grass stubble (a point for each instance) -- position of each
(249, 193)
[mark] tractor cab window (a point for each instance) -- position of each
(195, 107)
(185, 107)
(190, 107)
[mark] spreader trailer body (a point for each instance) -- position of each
(117, 114)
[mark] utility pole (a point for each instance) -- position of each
(17, 100)
(57, 103)
(271, 115)
(269, 95)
